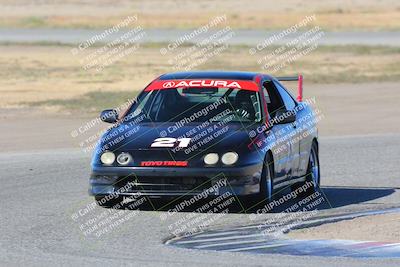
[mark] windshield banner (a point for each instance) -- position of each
(168, 84)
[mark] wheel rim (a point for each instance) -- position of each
(314, 167)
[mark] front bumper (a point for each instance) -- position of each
(175, 181)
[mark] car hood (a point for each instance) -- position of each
(216, 137)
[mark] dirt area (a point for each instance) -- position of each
(356, 109)
(30, 73)
(381, 228)
(331, 15)
(51, 79)
(45, 87)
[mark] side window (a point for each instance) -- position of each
(266, 96)
(272, 98)
(290, 104)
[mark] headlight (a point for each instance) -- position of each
(107, 158)
(211, 159)
(229, 158)
(124, 158)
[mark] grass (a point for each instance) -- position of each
(360, 49)
(47, 75)
(373, 21)
(90, 102)
(33, 22)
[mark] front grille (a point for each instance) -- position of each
(164, 184)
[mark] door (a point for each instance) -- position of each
(295, 133)
(280, 144)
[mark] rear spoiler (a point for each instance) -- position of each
(300, 84)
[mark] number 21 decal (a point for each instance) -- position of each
(170, 142)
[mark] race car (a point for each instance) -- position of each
(208, 131)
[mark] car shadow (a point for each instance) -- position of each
(331, 197)
(344, 196)
(328, 197)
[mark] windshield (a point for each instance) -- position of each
(197, 105)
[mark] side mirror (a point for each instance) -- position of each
(109, 116)
(284, 116)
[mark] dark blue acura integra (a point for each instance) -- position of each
(214, 132)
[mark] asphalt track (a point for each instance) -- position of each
(259, 238)
(42, 190)
(243, 37)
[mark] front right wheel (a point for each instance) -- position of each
(313, 175)
(266, 192)
(266, 184)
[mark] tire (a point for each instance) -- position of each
(267, 177)
(313, 173)
(253, 202)
(111, 203)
